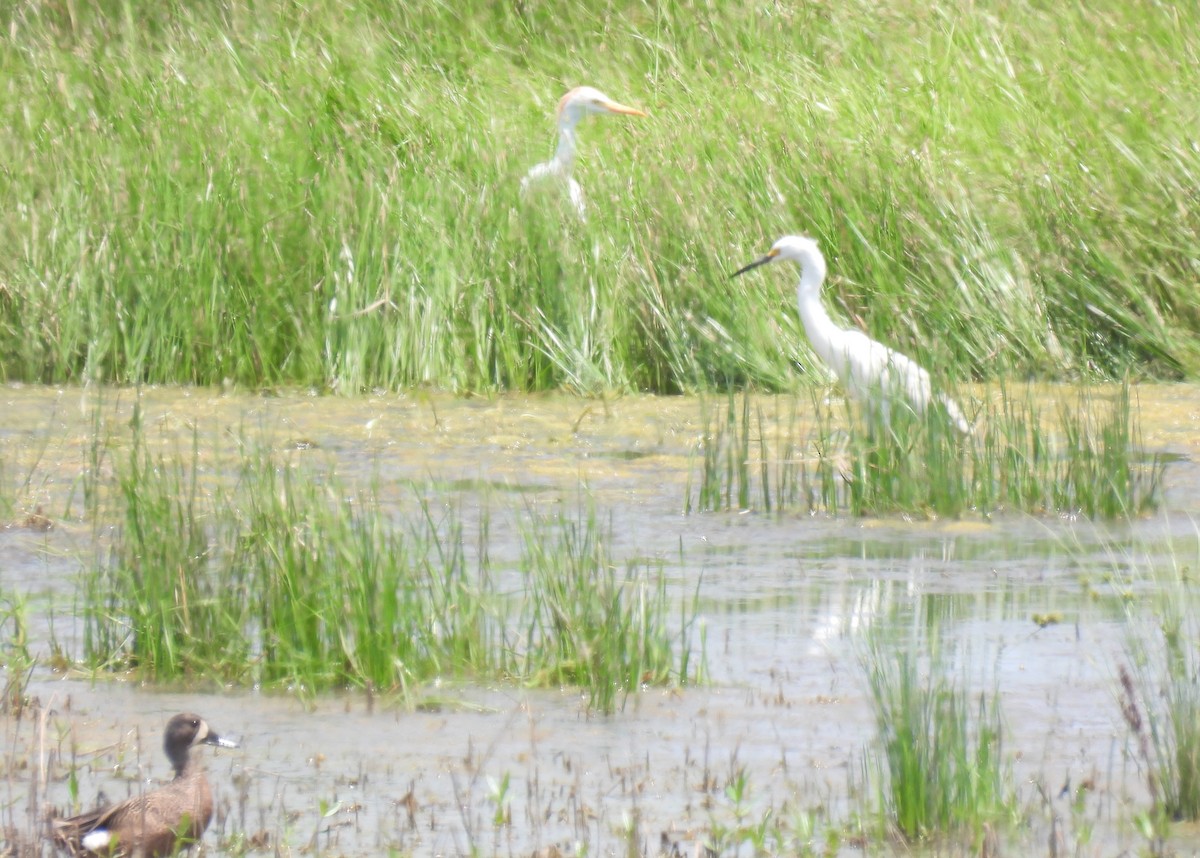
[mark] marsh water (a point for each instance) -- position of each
(1039, 608)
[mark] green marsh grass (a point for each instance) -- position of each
(7, 505)
(1089, 463)
(597, 623)
(276, 575)
(16, 658)
(940, 761)
(327, 195)
(1159, 696)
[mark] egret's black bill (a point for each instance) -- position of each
(770, 257)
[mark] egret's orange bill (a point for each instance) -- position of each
(617, 107)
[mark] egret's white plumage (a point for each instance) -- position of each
(573, 107)
(870, 371)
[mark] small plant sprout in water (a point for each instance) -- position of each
(498, 796)
(760, 830)
(737, 791)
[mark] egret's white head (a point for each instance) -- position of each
(583, 100)
(798, 248)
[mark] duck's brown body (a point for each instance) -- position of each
(157, 823)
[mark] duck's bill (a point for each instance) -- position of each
(222, 741)
(770, 257)
(617, 107)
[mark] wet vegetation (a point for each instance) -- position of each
(6, 497)
(1085, 460)
(941, 766)
(1159, 695)
(16, 657)
(282, 577)
(593, 623)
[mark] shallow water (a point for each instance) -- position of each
(784, 601)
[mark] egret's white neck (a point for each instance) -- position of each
(564, 155)
(812, 275)
(817, 323)
(816, 320)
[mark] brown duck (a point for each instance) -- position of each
(159, 822)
